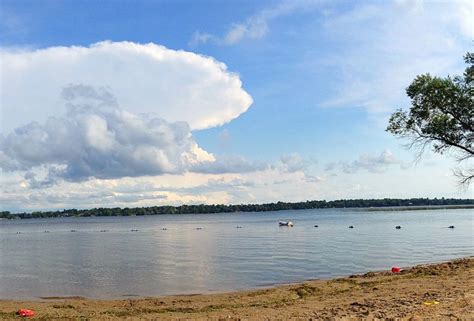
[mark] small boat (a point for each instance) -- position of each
(287, 223)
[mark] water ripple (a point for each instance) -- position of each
(169, 255)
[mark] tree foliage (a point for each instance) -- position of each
(441, 116)
(222, 208)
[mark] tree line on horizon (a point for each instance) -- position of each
(222, 208)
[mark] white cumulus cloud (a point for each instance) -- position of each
(98, 139)
(174, 85)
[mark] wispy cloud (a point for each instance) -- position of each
(293, 162)
(11, 23)
(386, 44)
(228, 164)
(253, 27)
(370, 163)
(224, 138)
(200, 38)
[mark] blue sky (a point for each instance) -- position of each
(308, 87)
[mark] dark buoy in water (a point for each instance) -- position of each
(451, 226)
(315, 226)
(352, 226)
(398, 227)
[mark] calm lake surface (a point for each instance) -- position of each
(219, 257)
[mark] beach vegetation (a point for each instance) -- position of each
(441, 117)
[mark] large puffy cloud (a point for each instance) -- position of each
(82, 134)
(145, 78)
(97, 139)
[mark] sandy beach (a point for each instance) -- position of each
(440, 291)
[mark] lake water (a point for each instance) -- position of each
(183, 259)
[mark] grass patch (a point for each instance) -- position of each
(137, 312)
(305, 290)
(8, 315)
(179, 310)
(140, 311)
(424, 273)
(257, 293)
(365, 284)
(63, 306)
(121, 313)
(344, 280)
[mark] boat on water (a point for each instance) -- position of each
(287, 223)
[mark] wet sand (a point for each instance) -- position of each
(443, 291)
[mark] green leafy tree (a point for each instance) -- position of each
(441, 117)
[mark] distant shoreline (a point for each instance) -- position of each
(387, 204)
(418, 208)
(430, 291)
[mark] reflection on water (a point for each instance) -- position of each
(112, 257)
